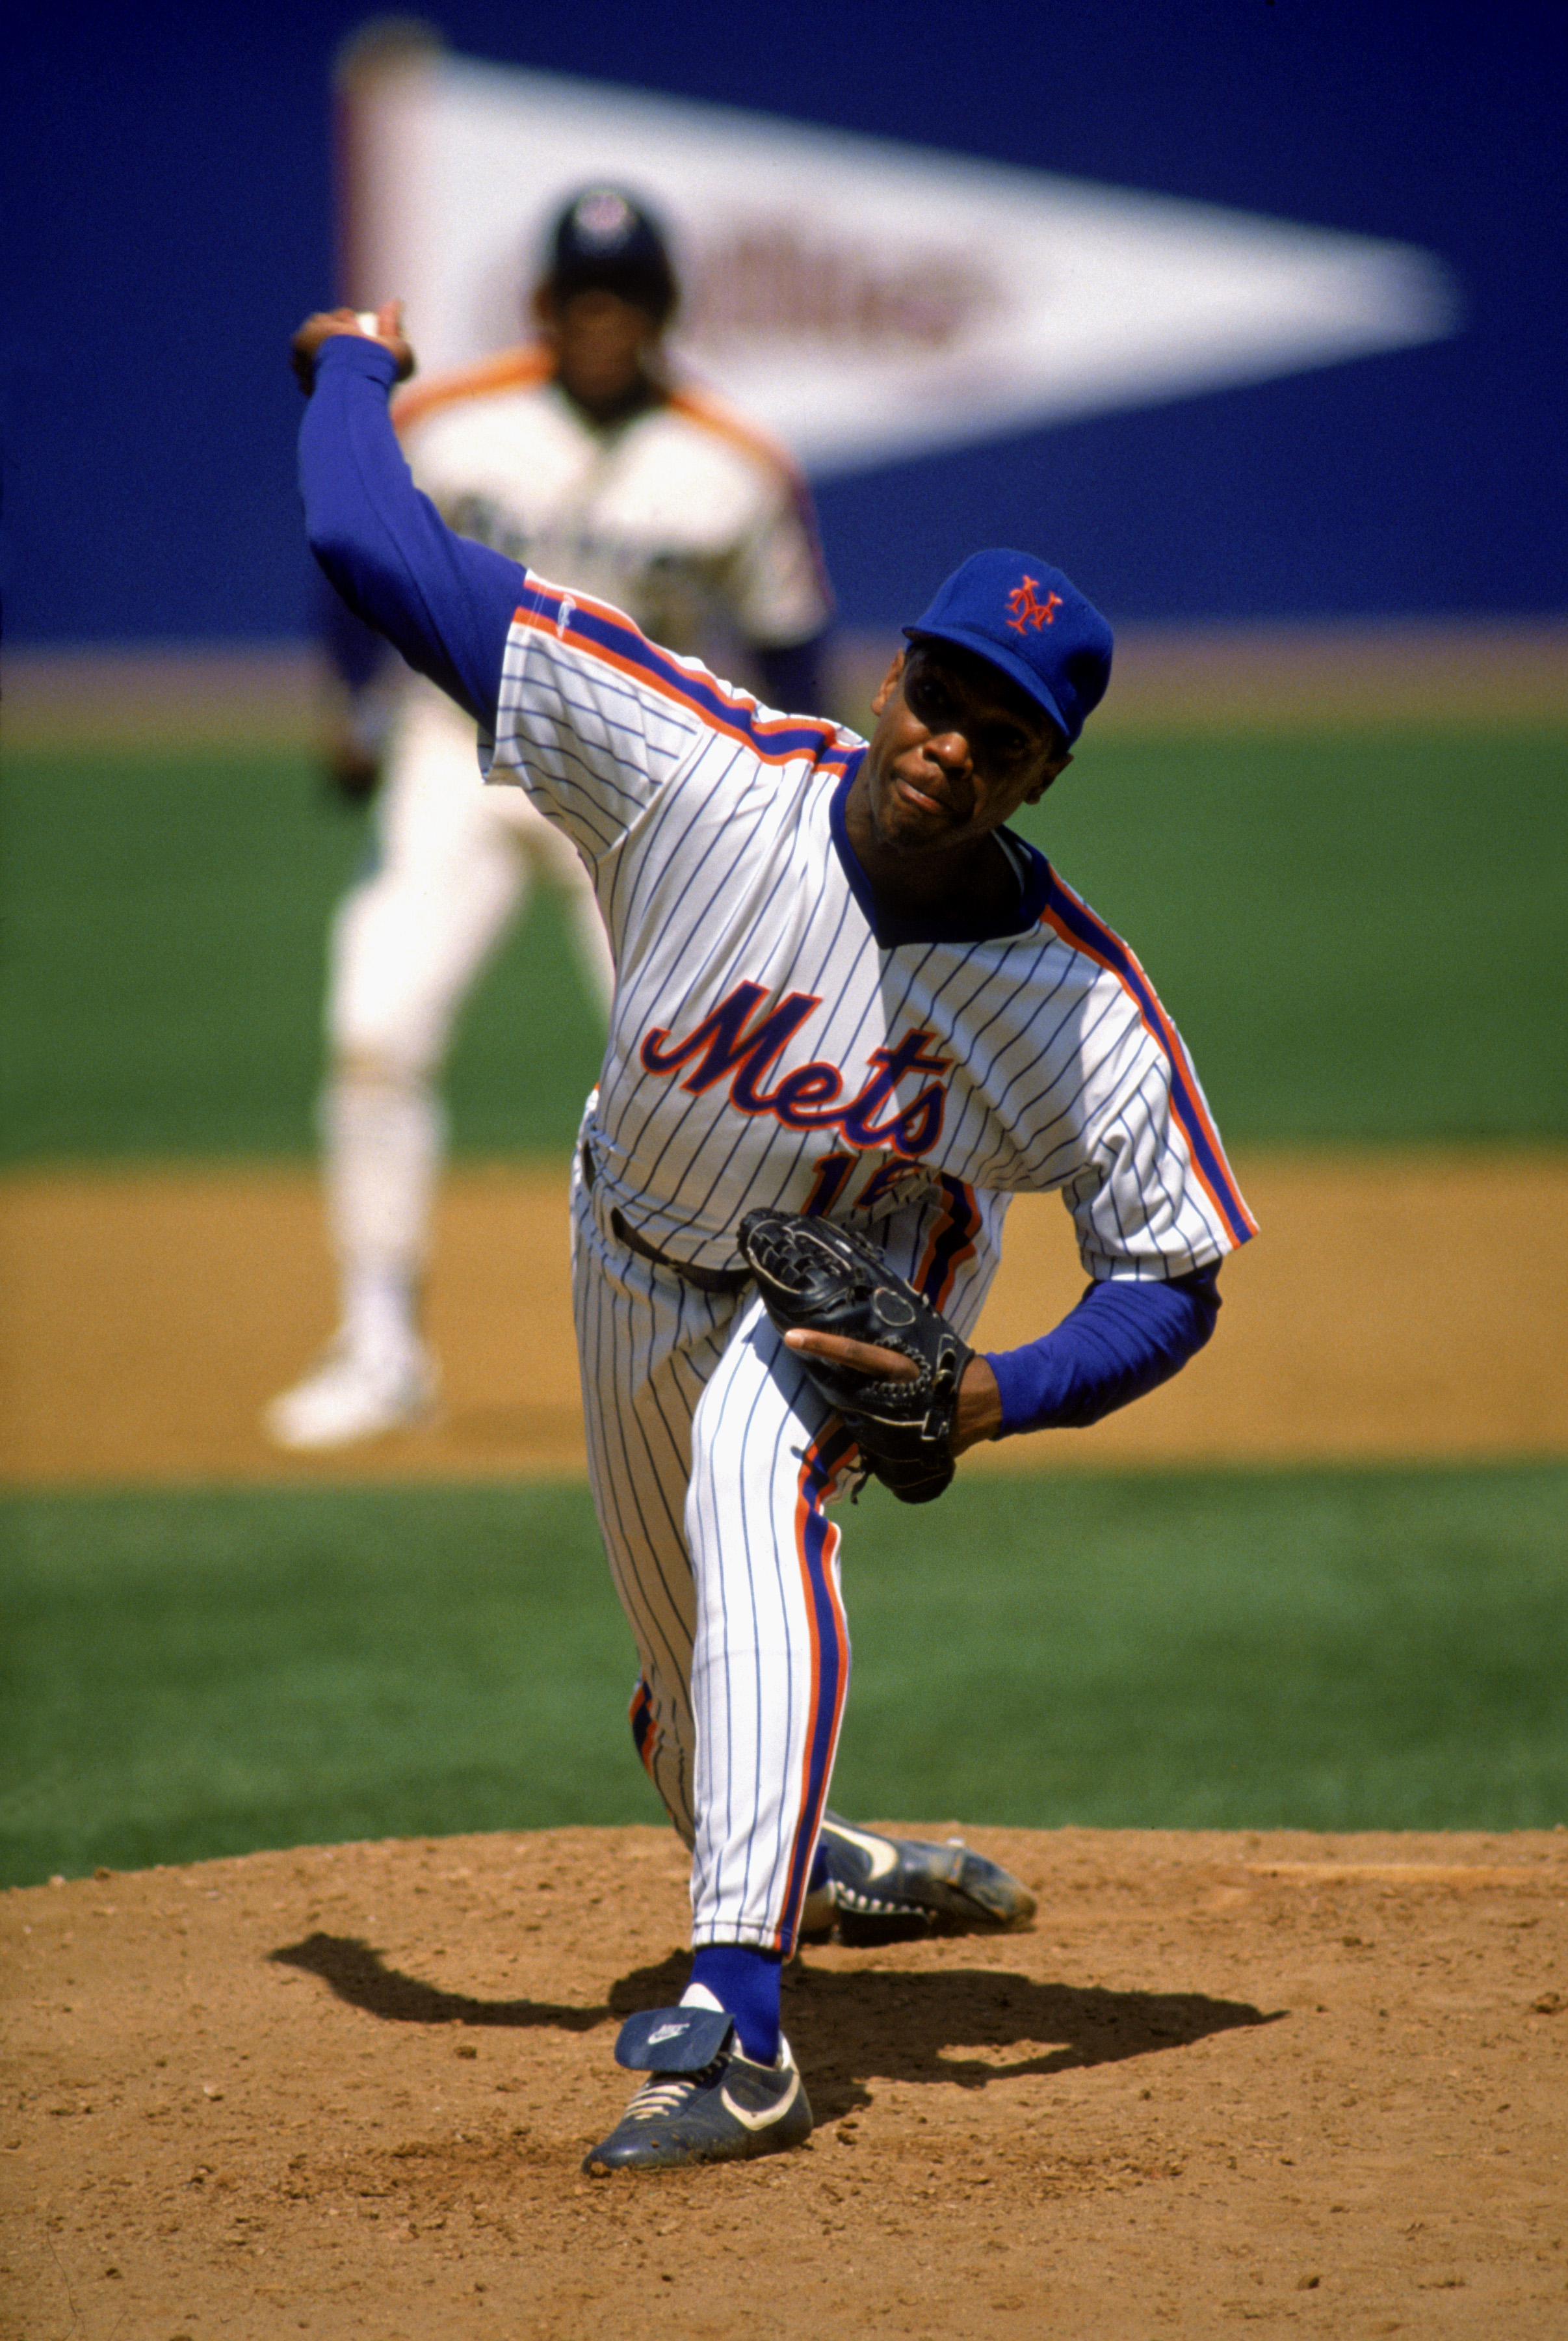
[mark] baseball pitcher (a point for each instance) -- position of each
(854, 1014)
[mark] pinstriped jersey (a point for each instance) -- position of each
(773, 1042)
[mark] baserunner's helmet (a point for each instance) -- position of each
(602, 239)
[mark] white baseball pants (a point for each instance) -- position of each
(712, 1460)
(454, 867)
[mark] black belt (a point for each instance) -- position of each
(706, 1280)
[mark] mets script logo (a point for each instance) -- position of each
(1029, 609)
(741, 1045)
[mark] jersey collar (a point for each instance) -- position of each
(963, 926)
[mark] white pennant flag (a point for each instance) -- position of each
(863, 300)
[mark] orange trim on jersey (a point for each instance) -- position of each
(819, 1466)
(712, 414)
(697, 407)
(520, 368)
(750, 729)
(957, 1226)
(528, 363)
(1186, 1101)
(646, 1731)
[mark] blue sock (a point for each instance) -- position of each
(819, 1876)
(745, 1982)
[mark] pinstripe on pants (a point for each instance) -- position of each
(711, 1460)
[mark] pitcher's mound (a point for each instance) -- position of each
(1274, 2079)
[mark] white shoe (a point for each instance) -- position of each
(347, 1397)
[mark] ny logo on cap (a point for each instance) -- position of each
(1029, 609)
(602, 216)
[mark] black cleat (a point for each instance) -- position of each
(702, 2101)
(888, 1888)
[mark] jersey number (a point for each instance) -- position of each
(833, 1174)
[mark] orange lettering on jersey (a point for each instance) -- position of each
(1029, 609)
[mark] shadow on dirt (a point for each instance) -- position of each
(354, 1970)
(965, 2025)
(917, 2027)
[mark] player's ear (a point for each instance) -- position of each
(542, 307)
(890, 684)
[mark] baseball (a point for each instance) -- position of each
(368, 322)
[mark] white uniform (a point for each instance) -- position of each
(701, 529)
(770, 1048)
(681, 516)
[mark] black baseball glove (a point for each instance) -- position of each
(819, 1278)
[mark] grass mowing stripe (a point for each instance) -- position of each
(192, 1674)
(1336, 1649)
(1351, 929)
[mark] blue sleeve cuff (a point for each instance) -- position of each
(1122, 1340)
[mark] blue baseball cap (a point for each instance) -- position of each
(1033, 624)
(603, 239)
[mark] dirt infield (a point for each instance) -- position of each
(1390, 1313)
(1293, 2084)
(1266, 2082)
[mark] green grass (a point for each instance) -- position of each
(1328, 1649)
(192, 1674)
(1360, 937)
(164, 936)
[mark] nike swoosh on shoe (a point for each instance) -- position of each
(882, 1855)
(769, 2114)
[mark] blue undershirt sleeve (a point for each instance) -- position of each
(447, 604)
(1122, 1340)
(358, 657)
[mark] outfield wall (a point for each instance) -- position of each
(1490, 672)
(167, 191)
